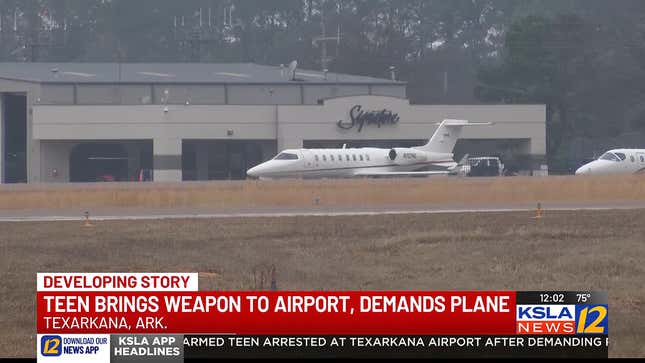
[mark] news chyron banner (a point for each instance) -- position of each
(163, 317)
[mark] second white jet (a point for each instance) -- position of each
(350, 162)
(618, 161)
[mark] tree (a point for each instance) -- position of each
(544, 61)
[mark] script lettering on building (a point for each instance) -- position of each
(358, 118)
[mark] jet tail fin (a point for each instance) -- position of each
(445, 137)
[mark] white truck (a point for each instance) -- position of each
(479, 166)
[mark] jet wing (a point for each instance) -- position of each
(398, 173)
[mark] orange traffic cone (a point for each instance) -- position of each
(87, 222)
(538, 211)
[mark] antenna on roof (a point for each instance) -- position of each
(292, 70)
(393, 72)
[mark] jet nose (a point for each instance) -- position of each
(253, 172)
(258, 171)
(585, 169)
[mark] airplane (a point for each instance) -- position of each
(617, 161)
(369, 161)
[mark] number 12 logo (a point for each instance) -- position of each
(592, 319)
(50, 345)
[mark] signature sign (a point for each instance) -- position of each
(358, 118)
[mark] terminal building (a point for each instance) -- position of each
(84, 122)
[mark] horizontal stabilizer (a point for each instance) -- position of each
(451, 122)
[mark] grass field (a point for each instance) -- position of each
(330, 192)
(601, 250)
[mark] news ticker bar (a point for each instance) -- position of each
(320, 313)
(180, 348)
(388, 346)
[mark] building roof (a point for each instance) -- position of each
(242, 73)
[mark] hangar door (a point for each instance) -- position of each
(223, 159)
(93, 162)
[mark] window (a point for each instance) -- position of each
(609, 156)
(340, 158)
(324, 158)
(631, 157)
(347, 157)
(642, 159)
(361, 156)
(354, 157)
(621, 156)
(286, 156)
(367, 157)
(316, 157)
(331, 157)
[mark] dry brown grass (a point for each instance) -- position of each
(357, 192)
(563, 251)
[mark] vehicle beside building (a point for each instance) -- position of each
(480, 166)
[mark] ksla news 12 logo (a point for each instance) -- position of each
(562, 319)
(51, 345)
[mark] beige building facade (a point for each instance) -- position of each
(140, 125)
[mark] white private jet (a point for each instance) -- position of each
(351, 162)
(618, 161)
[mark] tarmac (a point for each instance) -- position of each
(104, 214)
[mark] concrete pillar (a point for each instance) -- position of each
(201, 154)
(282, 140)
(55, 161)
(166, 159)
(289, 144)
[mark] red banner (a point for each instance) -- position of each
(283, 313)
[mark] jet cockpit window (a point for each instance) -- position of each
(621, 156)
(286, 156)
(610, 157)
